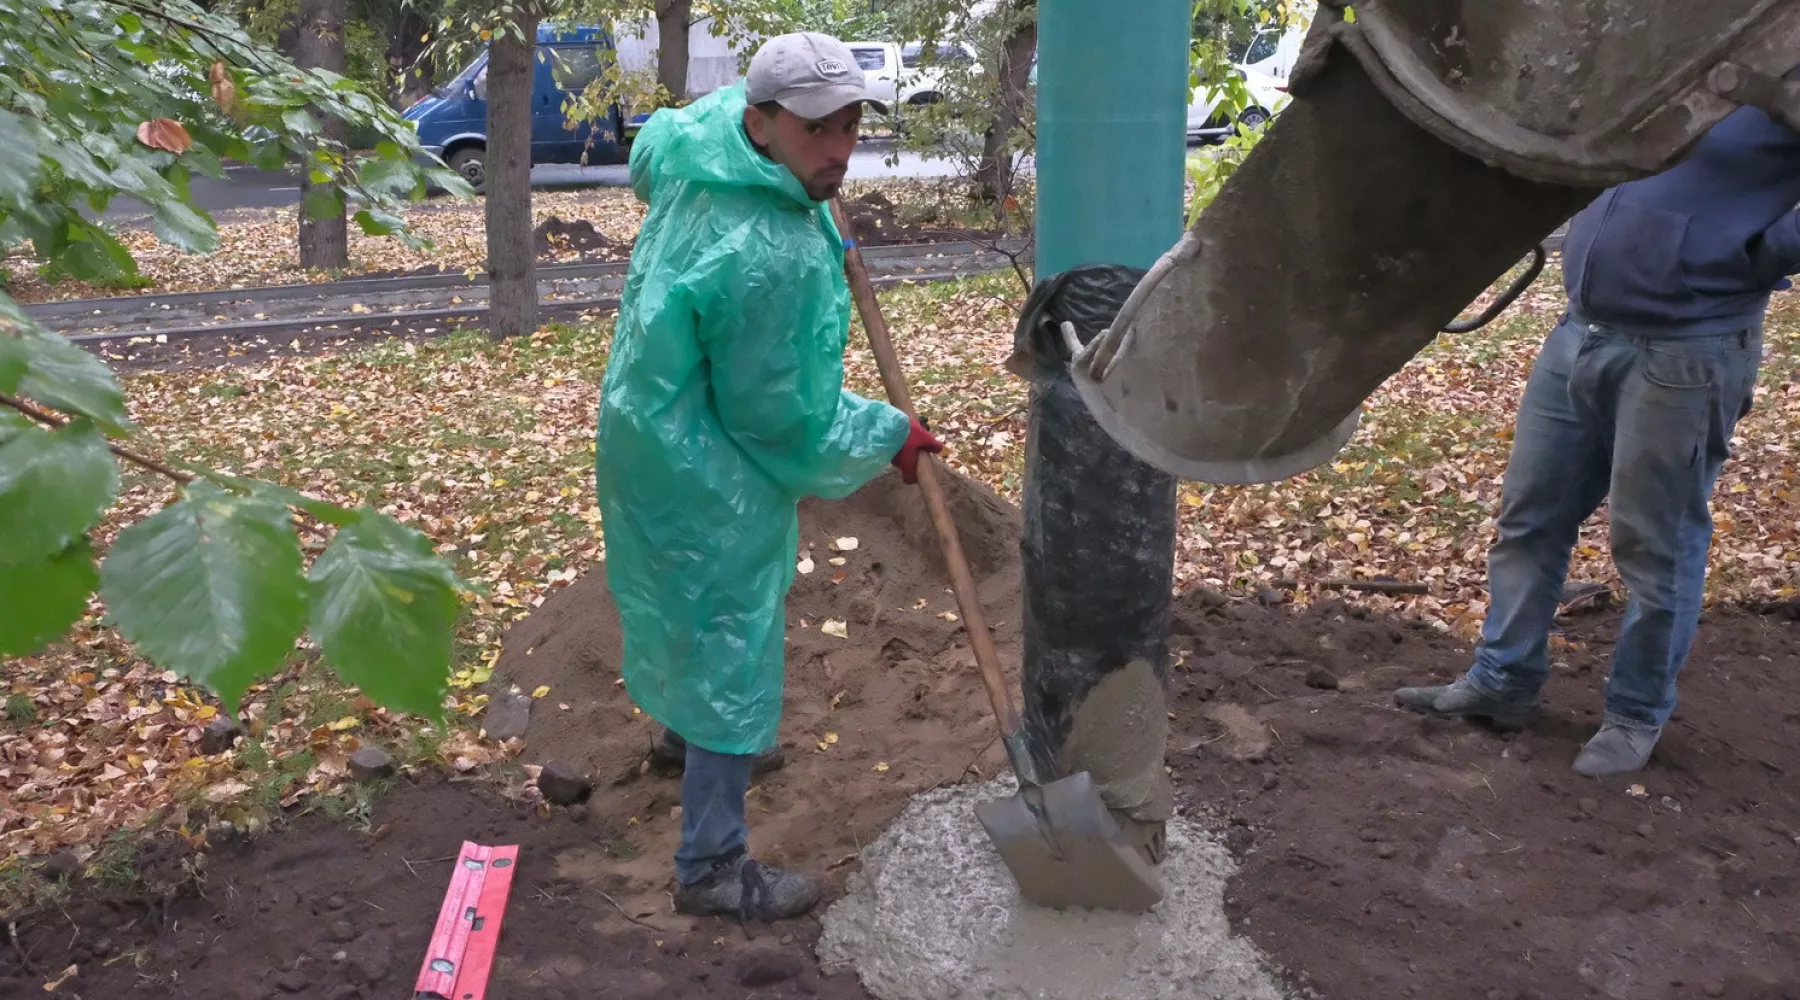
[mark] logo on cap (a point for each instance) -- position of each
(831, 67)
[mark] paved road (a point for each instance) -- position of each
(247, 187)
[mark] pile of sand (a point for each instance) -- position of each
(900, 694)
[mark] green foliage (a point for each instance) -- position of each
(1209, 171)
(100, 98)
(211, 582)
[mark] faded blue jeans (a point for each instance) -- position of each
(713, 786)
(1648, 422)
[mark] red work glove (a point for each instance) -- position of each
(918, 439)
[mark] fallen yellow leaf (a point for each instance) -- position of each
(837, 628)
(881, 766)
(347, 722)
(540, 691)
(831, 737)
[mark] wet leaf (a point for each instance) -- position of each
(210, 587)
(54, 485)
(165, 134)
(540, 691)
(382, 606)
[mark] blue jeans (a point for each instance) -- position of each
(712, 810)
(1649, 423)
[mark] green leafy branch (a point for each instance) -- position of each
(214, 585)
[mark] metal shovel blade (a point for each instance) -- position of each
(1065, 850)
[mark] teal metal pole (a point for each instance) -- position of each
(1111, 130)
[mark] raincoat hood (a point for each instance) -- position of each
(705, 142)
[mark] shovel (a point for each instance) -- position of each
(1057, 838)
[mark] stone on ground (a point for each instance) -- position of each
(936, 914)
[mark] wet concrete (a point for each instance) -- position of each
(1117, 736)
(934, 915)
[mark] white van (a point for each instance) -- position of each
(1264, 67)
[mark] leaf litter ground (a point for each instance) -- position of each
(487, 448)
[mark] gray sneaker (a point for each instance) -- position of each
(1463, 699)
(1618, 748)
(740, 886)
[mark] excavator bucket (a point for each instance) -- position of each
(1430, 146)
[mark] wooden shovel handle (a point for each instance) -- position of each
(961, 580)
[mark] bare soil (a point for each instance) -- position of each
(1383, 854)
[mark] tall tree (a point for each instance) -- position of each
(324, 223)
(673, 19)
(512, 270)
(1018, 52)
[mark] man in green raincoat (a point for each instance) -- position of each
(723, 405)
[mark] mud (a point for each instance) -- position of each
(1118, 737)
(557, 239)
(934, 914)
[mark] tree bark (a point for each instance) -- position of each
(319, 44)
(994, 175)
(672, 17)
(512, 271)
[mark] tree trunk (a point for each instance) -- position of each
(319, 44)
(672, 17)
(512, 272)
(413, 69)
(994, 176)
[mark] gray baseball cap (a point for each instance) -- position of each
(808, 73)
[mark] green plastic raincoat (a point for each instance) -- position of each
(723, 405)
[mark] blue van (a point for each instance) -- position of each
(452, 122)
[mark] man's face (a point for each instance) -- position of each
(816, 151)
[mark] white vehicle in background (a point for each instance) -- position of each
(900, 74)
(1264, 68)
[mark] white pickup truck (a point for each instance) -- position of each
(896, 74)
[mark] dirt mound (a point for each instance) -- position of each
(896, 706)
(556, 239)
(1395, 856)
(875, 221)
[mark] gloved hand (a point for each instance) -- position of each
(918, 439)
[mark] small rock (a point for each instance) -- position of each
(1386, 850)
(1209, 597)
(562, 785)
(1588, 807)
(369, 965)
(1368, 835)
(766, 967)
(371, 764)
(334, 902)
(292, 981)
(1713, 989)
(1524, 752)
(1269, 597)
(1645, 830)
(219, 736)
(507, 716)
(342, 931)
(61, 866)
(1597, 847)
(1269, 780)
(578, 812)
(340, 956)
(1324, 680)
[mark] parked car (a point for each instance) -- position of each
(1205, 124)
(898, 73)
(452, 121)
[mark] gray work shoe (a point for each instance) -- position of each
(670, 751)
(743, 887)
(1618, 748)
(1463, 699)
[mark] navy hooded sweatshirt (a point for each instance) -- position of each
(1696, 249)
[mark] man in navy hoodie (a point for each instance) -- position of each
(1634, 396)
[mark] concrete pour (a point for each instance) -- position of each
(934, 915)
